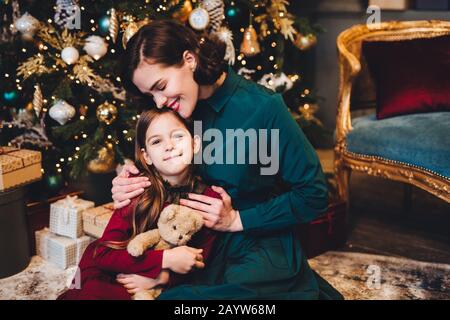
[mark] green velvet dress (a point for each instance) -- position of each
(265, 261)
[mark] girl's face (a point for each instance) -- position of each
(169, 86)
(169, 146)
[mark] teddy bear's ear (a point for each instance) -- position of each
(168, 213)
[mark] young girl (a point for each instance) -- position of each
(165, 146)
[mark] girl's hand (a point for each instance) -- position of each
(182, 259)
(125, 188)
(218, 214)
(134, 283)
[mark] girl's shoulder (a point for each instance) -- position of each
(127, 211)
(211, 193)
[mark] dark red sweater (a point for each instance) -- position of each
(149, 264)
(98, 271)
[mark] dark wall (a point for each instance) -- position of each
(336, 16)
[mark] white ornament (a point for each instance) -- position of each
(225, 35)
(246, 73)
(216, 12)
(95, 46)
(276, 81)
(62, 112)
(70, 55)
(27, 25)
(199, 19)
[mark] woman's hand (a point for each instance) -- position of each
(182, 259)
(218, 214)
(134, 283)
(125, 188)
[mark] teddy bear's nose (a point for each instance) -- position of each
(180, 237)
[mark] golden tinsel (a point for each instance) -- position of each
(58, 40)
(33, 65)
(131, 29)
(182, 15)
(280, 17)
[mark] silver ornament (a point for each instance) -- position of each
(95, 46)
(27, 25)
(62, 112)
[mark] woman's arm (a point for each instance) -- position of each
(299, 167)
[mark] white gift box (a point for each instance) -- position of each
(66, 216)
(41, 237)
(66, 252)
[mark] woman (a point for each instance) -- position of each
(258, 255)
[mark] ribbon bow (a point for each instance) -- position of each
(67, 202)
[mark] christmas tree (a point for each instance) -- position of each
(60, 63)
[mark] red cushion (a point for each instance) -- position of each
(411, 76)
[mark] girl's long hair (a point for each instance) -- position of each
(148, 206)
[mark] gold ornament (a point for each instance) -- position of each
(305, 42)
(107, 113)
(250, 45)
(104, 162)
(29, 107)
(113, 25)
(182, 15)
(83, 110)
(37, 100)
(131, 29)
(308, 111)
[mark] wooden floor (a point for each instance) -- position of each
(379, 224)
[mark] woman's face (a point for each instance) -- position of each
(170, 86)
(169, 146)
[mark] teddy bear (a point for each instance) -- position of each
(176, 226)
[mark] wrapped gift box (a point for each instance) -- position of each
(62, 251)
(96, 219)
(390, 4)
(18, 167)
(41, 237)
(66, 216)
(326, 232)
(66, 252)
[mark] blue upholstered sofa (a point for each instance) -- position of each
(413, 148)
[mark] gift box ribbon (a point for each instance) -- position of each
(70, 203)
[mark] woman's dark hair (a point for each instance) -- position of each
(165, 41)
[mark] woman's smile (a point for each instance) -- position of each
(175, 105)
